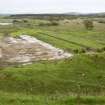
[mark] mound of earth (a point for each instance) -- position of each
(26, 49)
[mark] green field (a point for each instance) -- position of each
(76, 81)
(69, 36)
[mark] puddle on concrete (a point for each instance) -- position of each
(26, 49)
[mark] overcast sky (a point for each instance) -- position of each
(51, 6)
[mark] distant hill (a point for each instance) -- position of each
(69, 14)
(85, 14)
(5, 14)
(73, 13)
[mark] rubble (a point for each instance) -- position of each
(26, 49)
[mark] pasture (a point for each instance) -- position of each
(76, 81)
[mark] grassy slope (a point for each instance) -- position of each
(83, 75)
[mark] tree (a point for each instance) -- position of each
(16, 21)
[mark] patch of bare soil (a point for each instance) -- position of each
(26, 49)
(4, 24)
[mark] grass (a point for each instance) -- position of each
(56, 76)
(24, 99)
(83, 76)
(76, 81)
(69, 36)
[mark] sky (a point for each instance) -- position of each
(51, 6)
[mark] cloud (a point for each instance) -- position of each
(51, 6)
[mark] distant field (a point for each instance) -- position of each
(76, 81)
(69, 36)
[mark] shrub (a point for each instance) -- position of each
(88, 24)
(16, 21)
(51, 23)
(76, 51)
(101, 21)
(25, 21)
(83, 51)
(54, 23)
(103, 48)
(44, 24)
(99, 50)
(88, 48)
(96, 56)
